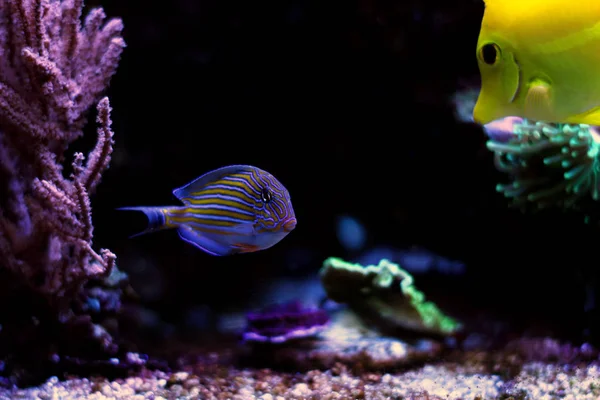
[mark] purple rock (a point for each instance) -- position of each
(282, 322)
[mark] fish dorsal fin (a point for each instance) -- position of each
(197, 184)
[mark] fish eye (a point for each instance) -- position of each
(266, 195)
(489, 53)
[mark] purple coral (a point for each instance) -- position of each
(282, 322)
(52, 70)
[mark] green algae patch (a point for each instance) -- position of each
(385, 293)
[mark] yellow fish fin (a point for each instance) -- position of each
(589, 117)
(538, 102)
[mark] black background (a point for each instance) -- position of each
(349, 105)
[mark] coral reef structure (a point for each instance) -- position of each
(53, 70)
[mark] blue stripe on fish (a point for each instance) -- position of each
(156, 218)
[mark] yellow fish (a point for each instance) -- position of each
(540, 59)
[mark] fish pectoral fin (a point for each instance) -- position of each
(244, 229)
(538, 102)
(204, 242)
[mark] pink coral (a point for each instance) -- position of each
(52, 70)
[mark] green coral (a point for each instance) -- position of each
(549, 164)
(385, 291)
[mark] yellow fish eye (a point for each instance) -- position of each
(490, 53)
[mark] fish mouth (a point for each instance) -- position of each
(289, 225)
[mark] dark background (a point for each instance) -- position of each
(349, 105)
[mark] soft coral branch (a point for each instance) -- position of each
(51, 72)
(53, 69)
(100, 157)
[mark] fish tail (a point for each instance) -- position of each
(157, 218)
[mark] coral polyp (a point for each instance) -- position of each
(549, 164)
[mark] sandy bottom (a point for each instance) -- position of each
(505, 374)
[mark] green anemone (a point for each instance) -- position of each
(549, 164)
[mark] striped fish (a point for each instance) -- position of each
(231, 210)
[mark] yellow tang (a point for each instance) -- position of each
(540, 59)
